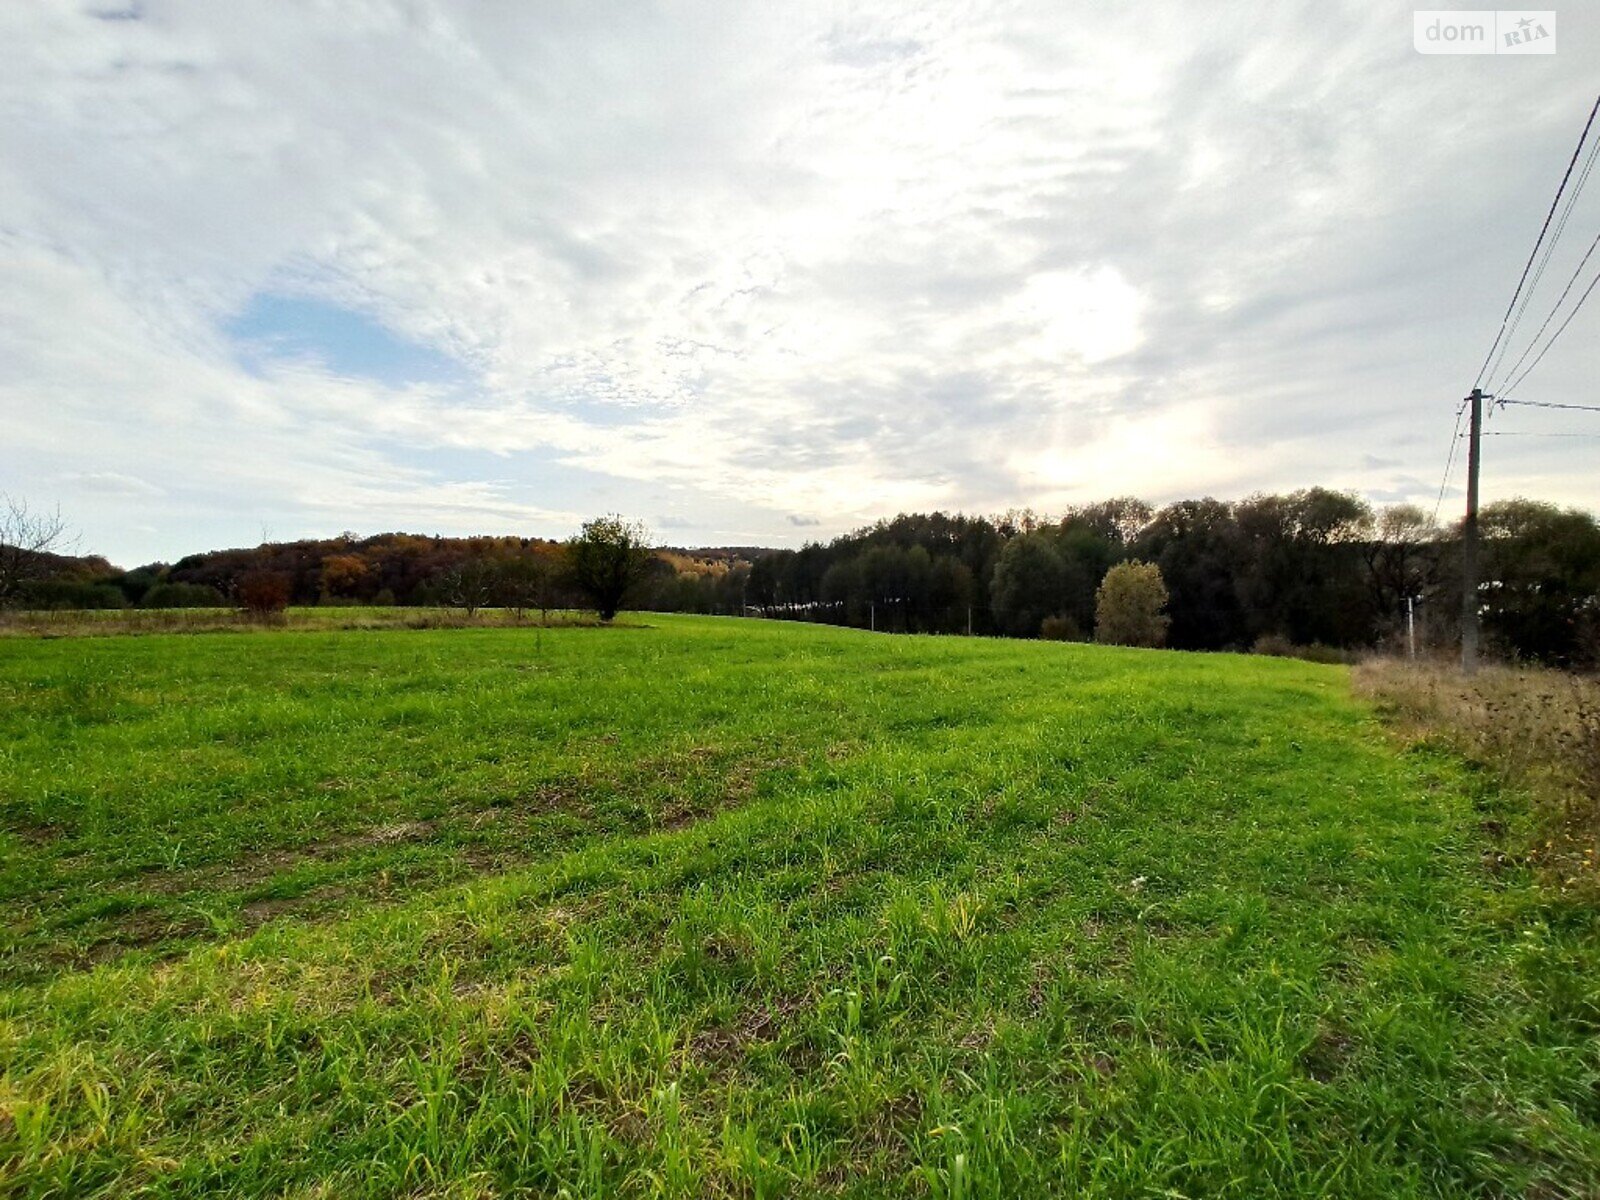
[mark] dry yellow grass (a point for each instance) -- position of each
(1537, 729)
(108, 622)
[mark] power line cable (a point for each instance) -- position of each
(1544, 229)
(1565, 292)
(1554, 337)
(1450, 460)
(1544, 262)
(1528, 433)
(1552, 404)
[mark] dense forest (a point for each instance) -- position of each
(1307, 571)
(1314, 568)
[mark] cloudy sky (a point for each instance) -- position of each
(760, 273)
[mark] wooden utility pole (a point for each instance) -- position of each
(1469, 542)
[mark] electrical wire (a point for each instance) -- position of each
(1538, 273)
(1528, 433)
(1552, 404)
(1576, 308)
(1544, 229)
(1450, 460)
(1565, 292)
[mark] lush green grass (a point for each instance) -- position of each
(718, 907)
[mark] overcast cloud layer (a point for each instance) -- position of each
(759, 274)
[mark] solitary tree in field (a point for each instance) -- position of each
(607, 560)
(1127, 608)
(263, 595)
(472, 585)
(28, 538)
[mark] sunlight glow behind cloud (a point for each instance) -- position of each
(312, 267)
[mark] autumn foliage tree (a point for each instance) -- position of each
(1128, 606)
(263, 595)
(607, 560)
(343, 575)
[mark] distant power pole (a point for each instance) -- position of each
(1469, 542)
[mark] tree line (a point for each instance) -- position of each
(1312, 568)
(1315, 569)
(609, 563)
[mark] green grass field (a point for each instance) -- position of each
(703, 907)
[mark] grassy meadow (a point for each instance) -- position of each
(699, 907)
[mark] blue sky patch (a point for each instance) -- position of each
(346, 342)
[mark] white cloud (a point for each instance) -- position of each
(111, 483)
(832, 260)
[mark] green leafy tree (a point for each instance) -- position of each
(1086, 556)
(528, 581)
(1201, 552)
(1401, 559)
(1118, 520)
(1540, 569)
(842, 590)
(1304, 570)
(607, 560)
(1028, 584)
(181, 595)
(949, 592)
(1128, 606)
